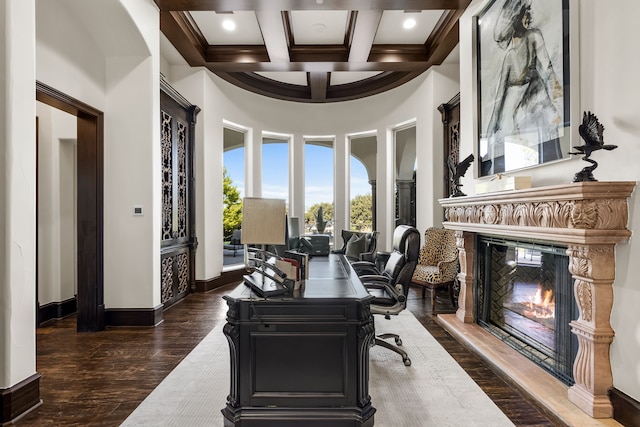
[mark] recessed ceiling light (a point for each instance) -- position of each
(228, 25)
(409, 23)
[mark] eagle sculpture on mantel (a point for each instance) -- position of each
(457, 171)
(591, 131)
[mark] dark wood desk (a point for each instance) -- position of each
(302, 360)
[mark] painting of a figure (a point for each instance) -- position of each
(523, 84)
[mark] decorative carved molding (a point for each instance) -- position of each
(580, 214)
(590, 218)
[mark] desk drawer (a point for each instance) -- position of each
(299, 313)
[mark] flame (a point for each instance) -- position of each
(541, 304)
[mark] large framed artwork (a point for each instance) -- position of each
(523, 84)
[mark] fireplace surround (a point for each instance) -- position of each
(590, 218)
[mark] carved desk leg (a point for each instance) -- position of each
(593, 268)
(366, 335)
(466, 243)
(232, 333)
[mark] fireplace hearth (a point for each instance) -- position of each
(589, 218)
(524, 297)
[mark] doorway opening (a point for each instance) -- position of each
(89, 215)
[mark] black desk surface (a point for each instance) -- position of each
(329, 277)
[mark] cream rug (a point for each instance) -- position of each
(433, 391)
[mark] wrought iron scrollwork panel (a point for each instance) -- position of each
(182, 180)
(167, 176)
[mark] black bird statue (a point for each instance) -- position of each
(457, 171)
(591, 132)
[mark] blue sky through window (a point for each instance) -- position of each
(275, 179)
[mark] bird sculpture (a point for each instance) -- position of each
(591, 131)
(457, 171)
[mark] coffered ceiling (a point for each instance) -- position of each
(313, 50)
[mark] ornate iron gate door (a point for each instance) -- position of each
(178, 238)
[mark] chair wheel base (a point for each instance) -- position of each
(396, 338)
(379, 340)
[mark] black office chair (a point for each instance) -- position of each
(358, 245)
(391, 285)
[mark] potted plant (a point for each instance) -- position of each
(320, 222)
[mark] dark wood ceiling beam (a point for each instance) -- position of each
(328, 58)
(273, 34)
(185, 36)
(325, 67)
(370, 86)
(351, 27)
(279, 5)
(271, 88)
(384, 53)
(288, 28)
(318, 82)
(363, 35)
(444, 37)
(274, 89)
(319, 53)
(237, 54)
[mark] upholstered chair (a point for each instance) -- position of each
(437, 264)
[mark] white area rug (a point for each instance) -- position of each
(433, 391)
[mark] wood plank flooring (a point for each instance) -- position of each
(98, 379)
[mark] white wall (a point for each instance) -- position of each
(608, 86)
(79, 53)
(56, 205)
(17, 192)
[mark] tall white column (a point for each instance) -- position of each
(17, 192)
(385, 180)
(296, 178)
(253, 163)
(341, 186)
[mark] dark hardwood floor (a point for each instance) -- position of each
(98, 379)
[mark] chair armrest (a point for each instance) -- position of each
(338, 251)
(364, 267)
(448, 268)
(367, 256)
(396, 291)
(374, 278)
(444, 264)
(362, 264)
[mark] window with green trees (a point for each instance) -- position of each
(232, 213)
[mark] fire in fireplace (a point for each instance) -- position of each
(524, 296)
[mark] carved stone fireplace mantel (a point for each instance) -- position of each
(590, 218)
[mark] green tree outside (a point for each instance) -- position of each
(361, 217)
(232, 213)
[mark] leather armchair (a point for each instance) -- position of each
(391, 285)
